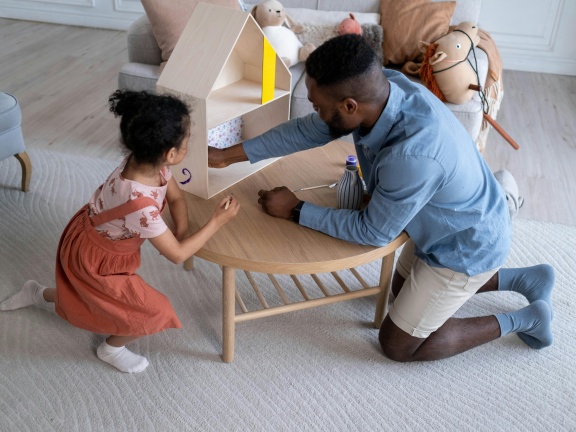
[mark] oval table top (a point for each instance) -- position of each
(255, 241)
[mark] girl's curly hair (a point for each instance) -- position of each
(151, 124)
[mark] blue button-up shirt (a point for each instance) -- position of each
(424, 175)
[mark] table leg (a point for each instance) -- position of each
(385, 281)
(228, 312)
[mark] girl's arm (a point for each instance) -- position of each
(178, 209)
(178, 251)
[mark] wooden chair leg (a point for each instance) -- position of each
(26, 169)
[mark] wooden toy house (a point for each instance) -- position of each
(235, 84)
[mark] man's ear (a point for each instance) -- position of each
(350, 105)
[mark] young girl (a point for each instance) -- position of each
(96, 285)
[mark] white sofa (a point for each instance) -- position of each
(144, 55)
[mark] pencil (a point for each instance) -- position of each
(227, 203)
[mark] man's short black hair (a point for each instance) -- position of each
(339, 59)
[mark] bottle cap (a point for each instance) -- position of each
(351, 160)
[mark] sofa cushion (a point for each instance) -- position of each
(312, 16)
(334, 5)
(466, 10)
(404, 23)
(168, 19)
(138, 77)
(142, 45)
(318, 34)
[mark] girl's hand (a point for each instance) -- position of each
(178, 251)
(226, 210)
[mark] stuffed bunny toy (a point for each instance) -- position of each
(271, 17)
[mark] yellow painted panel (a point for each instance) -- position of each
(268, 72)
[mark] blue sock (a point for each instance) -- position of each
(532, 324)
(534, 283)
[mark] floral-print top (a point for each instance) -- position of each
(116, 190)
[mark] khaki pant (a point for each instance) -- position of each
(430, 295)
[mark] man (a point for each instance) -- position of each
(425, 176)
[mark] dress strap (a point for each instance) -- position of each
(123, 210)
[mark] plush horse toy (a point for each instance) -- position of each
(448, 73)
(445, 68)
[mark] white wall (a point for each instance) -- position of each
(532, 35)
(110, 14)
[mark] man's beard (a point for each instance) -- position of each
(335, 126)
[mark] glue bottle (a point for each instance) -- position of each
(353, 160)
(350, 190)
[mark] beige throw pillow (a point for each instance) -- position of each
(169, 17)
(406, 22)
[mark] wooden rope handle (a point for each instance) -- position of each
(501, 131)
(493, 122)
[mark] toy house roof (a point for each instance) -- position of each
(219, 46)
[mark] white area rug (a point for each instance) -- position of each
(319, 369)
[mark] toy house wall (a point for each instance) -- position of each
(217, 68)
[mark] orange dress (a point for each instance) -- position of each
(96, 285)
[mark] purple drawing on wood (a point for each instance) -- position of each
(186, 171)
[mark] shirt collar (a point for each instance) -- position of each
(375, 138)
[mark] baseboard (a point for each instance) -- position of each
(560, 66)
(93, 19)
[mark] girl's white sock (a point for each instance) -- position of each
(30, 294)
(121, 358)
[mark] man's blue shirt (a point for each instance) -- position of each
(424, 175)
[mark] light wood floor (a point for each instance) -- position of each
(63, 76)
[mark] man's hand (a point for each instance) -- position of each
(221, 158)
(278, 202)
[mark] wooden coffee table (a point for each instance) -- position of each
(257, 242)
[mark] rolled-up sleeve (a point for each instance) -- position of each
(290, 137)
(402, 191)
